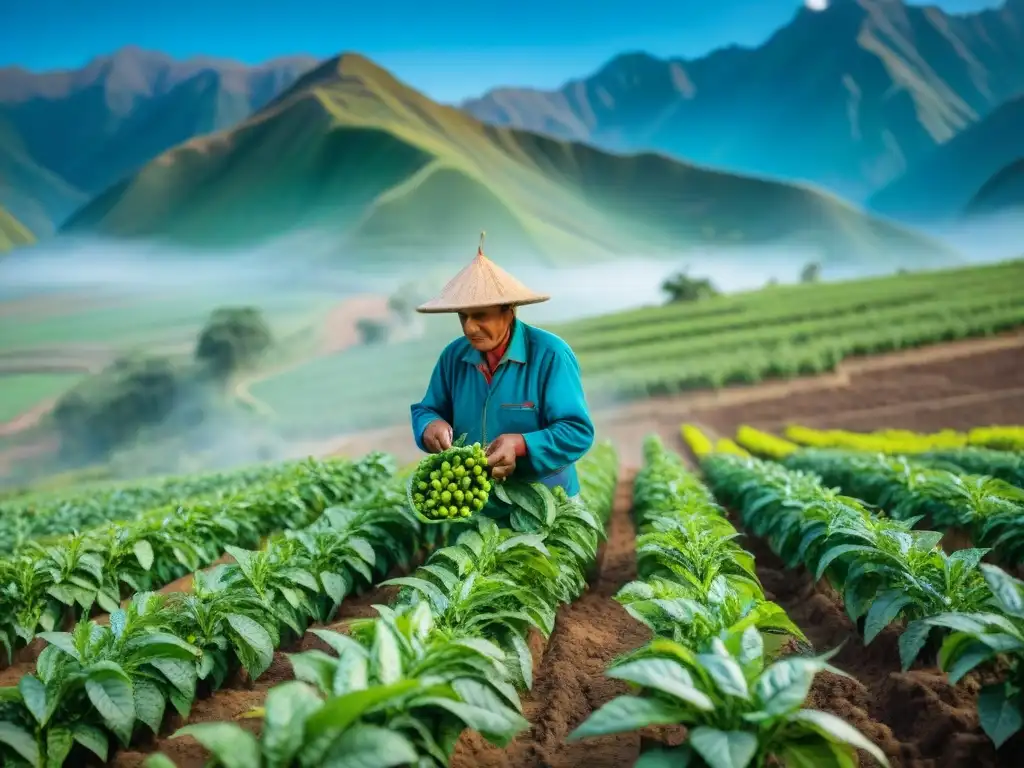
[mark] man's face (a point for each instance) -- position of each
(486, 328)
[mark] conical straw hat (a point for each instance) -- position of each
(481, 284)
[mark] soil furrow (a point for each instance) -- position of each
(917, 718)
(589, 634)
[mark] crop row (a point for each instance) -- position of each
(714, 664)
(899, 290)
(991, 510)
(446, 656)
(103, 681)
(54, 513)
(939, 313)
(663, 372)
(994, 451)
(46, 585)
(887, 572)
(918, 486)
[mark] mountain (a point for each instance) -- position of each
(1003, 192)
(66, 136)
(391, 173)
(942, 183)
(846, 98)
(12, 232)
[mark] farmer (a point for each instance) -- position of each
(513, 388)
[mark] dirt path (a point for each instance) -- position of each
(339, 333)
(589, 634)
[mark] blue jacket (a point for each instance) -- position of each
(536, 392)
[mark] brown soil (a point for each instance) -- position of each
(915, 717)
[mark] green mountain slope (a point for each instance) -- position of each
(12, 232)
(1002, 193)
(351, 148)
(941, 184)
(66, 136)
(846, 98)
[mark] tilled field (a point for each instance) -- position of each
(917, 718)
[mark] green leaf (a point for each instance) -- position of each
(93, 739)
(726, 674)
(785, 685)
(438, 602)
(256, 638)
(287, 707)
(999, 709)
(149, 703)
(884, 610)
(316, 668)
(1006, 588)
(64, 641)
(21, 741)
(367, 746)
(912, 641)
(335, 586)
(144, 552)
(627, 713)
(158, 760)
(666, 757)
(723, 749)
(58, 745)
(666, 676)
(233, 746)
(110, 691)
(341, 711)
(33, 693)
(816, 752)
(838, 551)
(834, 729)
(385, 655)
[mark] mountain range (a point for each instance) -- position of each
(847, 98)
(913, 112)
(351, 149)
(65, 136)
(941, 185)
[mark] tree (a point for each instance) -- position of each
(233, 339)
(108, 410)
(372, 331)
(811, 272)
(681, 287)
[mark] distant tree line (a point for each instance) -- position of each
(138, 392)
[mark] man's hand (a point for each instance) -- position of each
(501, 455)
(437, 436)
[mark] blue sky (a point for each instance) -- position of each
(450, 50)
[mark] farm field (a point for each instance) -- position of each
(913, 715)
(779, 333)
(20, 391)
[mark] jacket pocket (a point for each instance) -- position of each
(519, 418)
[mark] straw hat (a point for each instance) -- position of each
(481, 284)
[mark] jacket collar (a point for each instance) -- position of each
(516, 351)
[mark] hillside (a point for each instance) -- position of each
(65, 136)
(1002, 193)
(941, 184)
(12, 232)
(393, 173)
(847, 98)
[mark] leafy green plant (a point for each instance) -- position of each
(980, 638)
(883, 569)
(47, 584)
(739, 710)
(95, 680)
